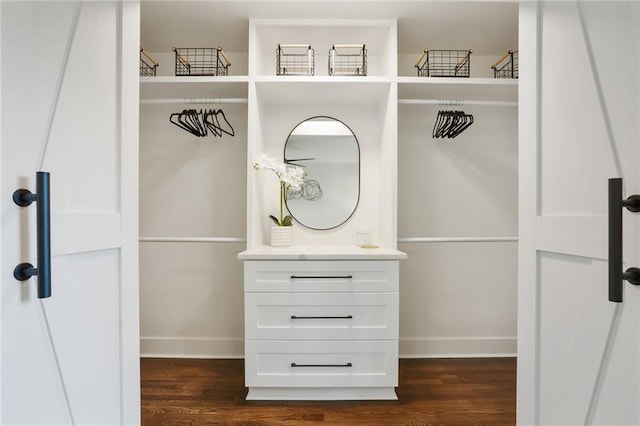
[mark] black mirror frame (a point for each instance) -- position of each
(284, 156)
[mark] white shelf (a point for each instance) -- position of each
(352, 90)
(451, 88)
(321, 252)
(320, 89)
(193, 87)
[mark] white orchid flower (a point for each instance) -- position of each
(287, 176)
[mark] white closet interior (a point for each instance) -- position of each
(457, 198)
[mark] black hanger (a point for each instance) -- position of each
(451, 123)
(458, 122)
(230, 132)
(466, 120)
(188, 120)
(178, 118)
(211, 121)
(203, 122)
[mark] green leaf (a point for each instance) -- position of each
(275, 220)
(287, 221)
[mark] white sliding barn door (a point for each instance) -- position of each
(579, 89)
(70, 107)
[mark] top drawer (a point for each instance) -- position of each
(320, 276)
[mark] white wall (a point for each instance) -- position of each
(457, 299)
(191, 294)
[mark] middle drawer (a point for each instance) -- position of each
(334, 316)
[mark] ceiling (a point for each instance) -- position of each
(487, 27)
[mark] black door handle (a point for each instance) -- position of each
(616, 276)
(24, 271)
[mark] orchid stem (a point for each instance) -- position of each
(281, 202)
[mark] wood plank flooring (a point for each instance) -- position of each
(431, 391)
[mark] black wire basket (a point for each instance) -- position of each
(201, 61)
(148, 65)
(444, 63)
(507, 66)
(348, 59)
(295, 59)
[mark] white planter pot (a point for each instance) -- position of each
(281, 236)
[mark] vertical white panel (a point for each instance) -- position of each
(2, 263)
(28, 98)
(574, 327)
(65, 352)
(587, 367)
(83, 144)
(85, 330)
(129, 273)
(575, 151)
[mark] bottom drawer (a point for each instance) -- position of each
(321, 363)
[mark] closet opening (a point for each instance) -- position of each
(450, 186)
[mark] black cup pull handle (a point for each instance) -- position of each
(616, 204)
(348, 364)
(321, 277)
(24, 198)
(293, 317)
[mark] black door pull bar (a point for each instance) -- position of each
(24, 271)
(616, 275)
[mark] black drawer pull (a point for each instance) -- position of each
(293, 364)
(342, 317)
(305, 277)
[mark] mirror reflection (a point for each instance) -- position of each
(329, 153)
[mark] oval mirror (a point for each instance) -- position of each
(329, 153)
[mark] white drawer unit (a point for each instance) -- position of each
(321, 329)
(326, 276)
(328, 316)
(272, 365)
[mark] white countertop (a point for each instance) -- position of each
(321, 252)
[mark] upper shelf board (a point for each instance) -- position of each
(193, 87)
(318, 89)
(451, 88)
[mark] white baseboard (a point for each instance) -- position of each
(458, 347)
(469, 347)
(181, 347)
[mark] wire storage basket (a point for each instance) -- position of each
(202, 61)
(348, 59)
(148, 65)
(295, 59)
(444, 63)
(507, 66)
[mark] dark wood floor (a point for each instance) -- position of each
(431, 391)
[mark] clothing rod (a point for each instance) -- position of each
(458, 240)
(194, 101)
(459, 103)
(192, 240)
